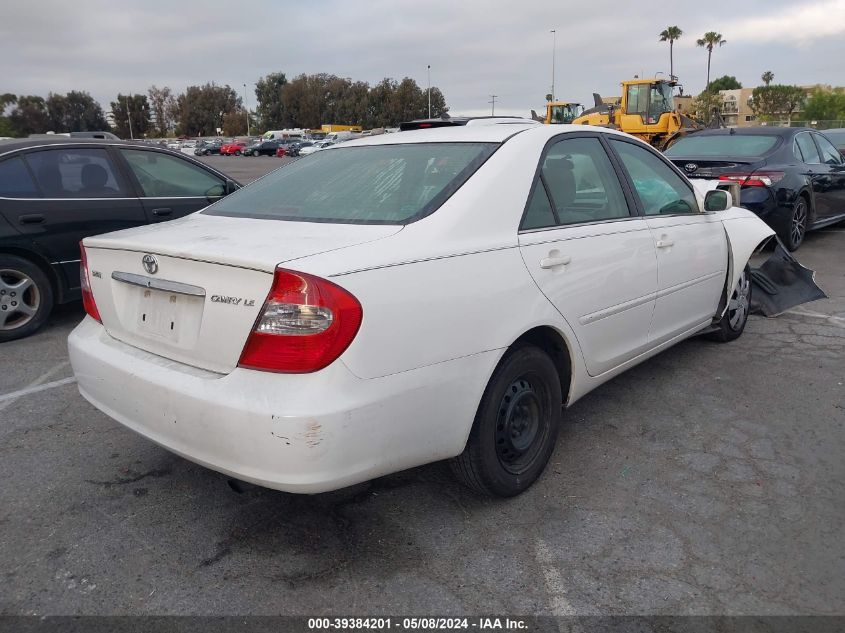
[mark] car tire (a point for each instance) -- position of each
(732, 324)
(515, 428)
(795, 230)
(26, 298)
(237, 152)
(206, 153)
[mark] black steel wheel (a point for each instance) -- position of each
(515, 428)
(732, 323)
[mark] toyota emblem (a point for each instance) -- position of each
(690, 167)
(150, 263)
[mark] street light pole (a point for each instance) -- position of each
(554, 51)
(247, 112)
(429, 91)
(493, 106)
(128, 117)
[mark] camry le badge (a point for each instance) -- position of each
(150, 263)
(690, 167)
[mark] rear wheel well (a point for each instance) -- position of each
(550, 341)
(43, 264)
(811, 207)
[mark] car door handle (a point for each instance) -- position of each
(32, 218)
(551, 262)
(665, 243)
(160, 213)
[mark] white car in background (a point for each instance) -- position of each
(408, 298)
(316, 147)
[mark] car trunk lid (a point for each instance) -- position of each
(191, 290)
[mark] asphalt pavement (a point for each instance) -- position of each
(707, 480)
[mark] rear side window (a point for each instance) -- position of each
(582, 182)
(721, 145)
(830, 155)
(375, 184)
(15, 181)
(75, 173)
(163, 176)
(808, 148)
(661, 191)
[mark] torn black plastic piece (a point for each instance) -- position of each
(782, 283)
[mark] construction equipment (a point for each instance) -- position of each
(559, 112)
(646, 110)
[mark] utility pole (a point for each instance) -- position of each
(247, 112)
(554, 52)
(493, 107)
(128, 117)
(429, 91)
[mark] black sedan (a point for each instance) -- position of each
(262, 148)
(207, 148)
(54, 192)
(793, 178)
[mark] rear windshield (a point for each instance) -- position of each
(375, 184)
(731, 145)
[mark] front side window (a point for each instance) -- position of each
(661, 191)
(164, 176)
(829, 153)
(15, 181)
(582, 183)
(75, 173)
(371, 184)
(808, 149)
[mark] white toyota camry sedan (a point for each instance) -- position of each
(408, 298)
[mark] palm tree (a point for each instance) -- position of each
(710, 40)
(767, 77)
(670, 34)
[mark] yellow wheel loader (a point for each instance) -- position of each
(646, 110)
(559, 112)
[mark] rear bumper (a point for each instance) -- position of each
(304, 433)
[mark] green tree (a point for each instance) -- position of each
(670, 34)
(710, 40)
(270, 109)
(75, 112)
(825, 105)
(162, 106)
(767, 77)
(29, 116)
(725, 82)
(776, 100)
(6, 100)
(707, 106)
(134, 108)
(201, 108)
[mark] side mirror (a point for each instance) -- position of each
(231, 187)
(718, 200)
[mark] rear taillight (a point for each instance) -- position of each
(305, 324)
(85, 282)
(754, 179)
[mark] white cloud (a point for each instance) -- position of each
(801, 24)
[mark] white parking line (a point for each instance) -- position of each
(558, 602)
(37, 385)
(834, 320)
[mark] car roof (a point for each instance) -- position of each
(762, 130)
(26, 143)
(493, 133)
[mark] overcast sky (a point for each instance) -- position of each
(475, 48)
